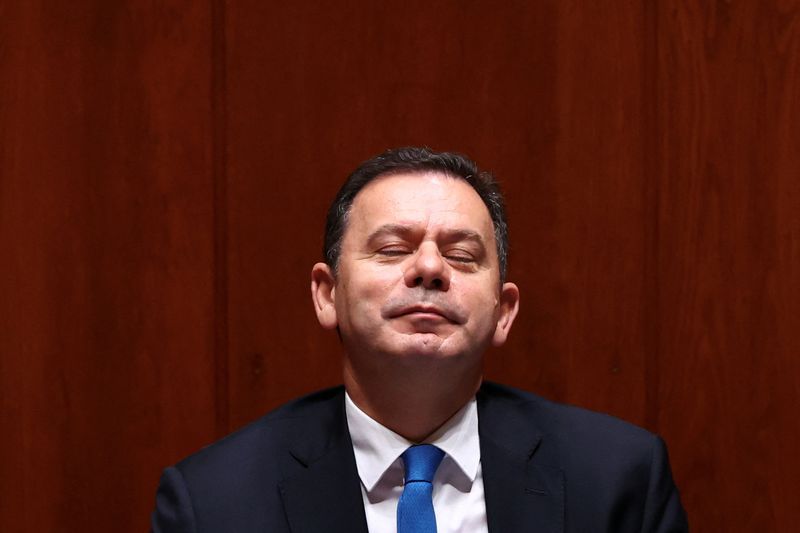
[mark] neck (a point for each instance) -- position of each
(410, 402)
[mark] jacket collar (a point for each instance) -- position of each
(521, 493)
(322, 491)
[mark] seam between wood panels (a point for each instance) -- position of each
(651, 186)
(220, 207)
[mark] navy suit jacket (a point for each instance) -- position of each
(546, 467)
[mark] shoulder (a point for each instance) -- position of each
(257, 447)
(565, 431)
(613, 472)
(232, 484)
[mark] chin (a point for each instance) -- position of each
(425, 346)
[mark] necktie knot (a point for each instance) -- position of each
(415, 509)
(421, 462)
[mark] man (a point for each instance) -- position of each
(414, 283)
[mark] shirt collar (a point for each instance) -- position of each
(377, 448)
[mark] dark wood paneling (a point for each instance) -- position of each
(579, 218)
(729, 226)
(106, 316)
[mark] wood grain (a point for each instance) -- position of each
(577, 254)
(729, 219)
(105, 222)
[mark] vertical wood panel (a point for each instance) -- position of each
(579, 224)
(106, 369)
(729, 218)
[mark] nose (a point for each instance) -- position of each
(428, 269)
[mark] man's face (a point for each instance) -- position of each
(418, 274)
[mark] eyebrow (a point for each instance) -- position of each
(391, 229)
(407, 231)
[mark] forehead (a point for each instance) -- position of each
(427, 198)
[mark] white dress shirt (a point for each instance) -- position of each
(457, 486)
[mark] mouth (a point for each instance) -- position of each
(425, 312)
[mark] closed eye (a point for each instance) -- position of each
(460, 254)
(393, 251)
(460, 258)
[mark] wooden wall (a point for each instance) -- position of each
(165, 168)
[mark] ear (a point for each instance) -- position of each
(323, 293)
(507, 312)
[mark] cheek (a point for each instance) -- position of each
(364, 298)
(377, 282)
(477, 295)
(482, 307)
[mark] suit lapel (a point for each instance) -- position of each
(322, 491)
(521, 494)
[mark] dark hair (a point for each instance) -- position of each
(414, 159)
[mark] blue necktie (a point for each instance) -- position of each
(415, 508)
